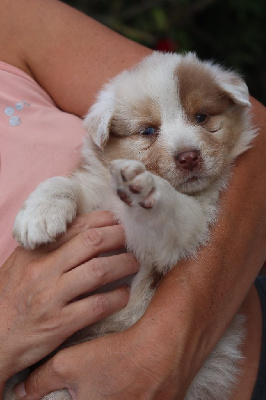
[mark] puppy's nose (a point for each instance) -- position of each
(188, 159)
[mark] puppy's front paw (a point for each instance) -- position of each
(46, 214)
(133, 183)
(42, 224)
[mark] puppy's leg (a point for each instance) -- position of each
(161, 224)
(46, 213)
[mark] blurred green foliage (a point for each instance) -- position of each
(232, 32)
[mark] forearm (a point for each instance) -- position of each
(69, 54)
(200, 297)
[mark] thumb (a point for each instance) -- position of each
(43, 380)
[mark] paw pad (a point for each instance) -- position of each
(133, 183)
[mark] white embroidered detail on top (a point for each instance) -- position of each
(15, 120)
(9, 111)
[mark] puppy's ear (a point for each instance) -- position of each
(237, 89)
(97, 121)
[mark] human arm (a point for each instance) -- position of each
(39, 302)
(69, 54)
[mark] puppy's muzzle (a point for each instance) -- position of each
(188, 160)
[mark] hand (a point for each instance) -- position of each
(128, 365)
(40, 289)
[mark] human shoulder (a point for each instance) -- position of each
(68, 53)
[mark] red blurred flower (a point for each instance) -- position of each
(166, 45)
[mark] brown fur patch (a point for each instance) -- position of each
(156, 278)
(199, 93)
(133, 147)
(143, 114)
(148, 111)
(129, 120)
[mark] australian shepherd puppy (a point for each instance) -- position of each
(161, 139)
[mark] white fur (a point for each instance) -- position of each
(167, 215)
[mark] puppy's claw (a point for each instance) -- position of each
(149, 201)
(123, 196)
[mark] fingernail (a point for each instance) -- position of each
(20, 391)
(128, 288)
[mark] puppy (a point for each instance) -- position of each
(161, 139)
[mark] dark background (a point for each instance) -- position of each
(232, 32)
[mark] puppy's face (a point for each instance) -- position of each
(184, 119)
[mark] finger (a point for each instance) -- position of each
(46, 378)
(96, 273)
(85, 312)
(95, 219)
(87, 245)
(41, 381)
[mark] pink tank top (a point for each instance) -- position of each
(37, 141)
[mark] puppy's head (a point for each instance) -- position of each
(186, 120)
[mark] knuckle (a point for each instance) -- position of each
(101, 304)
(59, 364)
(97, 270)
(33, 271)
(91, 237)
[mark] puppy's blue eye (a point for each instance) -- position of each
(149, 131)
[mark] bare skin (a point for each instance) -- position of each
(40, 290)
(158, 357)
